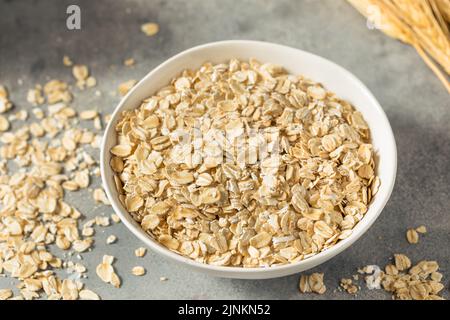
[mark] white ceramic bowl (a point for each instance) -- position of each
(332, 76)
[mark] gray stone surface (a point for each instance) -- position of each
(33, 39)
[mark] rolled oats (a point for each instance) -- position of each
(5, 103)
(115, 218)
(421, 229)
(349, 286)
(312, 283)
(106, 272)
(57, 91)
(111, 239)
(129, 62)
(67, 61)
(100, 196)
(140, 252)
(138, 271)
(150, 28)
(33, 210)
(4, 123)
(412, 236)
(126, 86)
(404, 280)
(420, 282)
(88, 114)
(5, 294)
(402, 262)
(242, 164)
(84, 79)
(35, 96)
(86, 294)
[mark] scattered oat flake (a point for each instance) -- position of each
(129, 62)
(115, 280)
(348, 286)
(413, 282)
(86, 294)
(111, 239)
(412, 236)
(140, 252)
(126, 86)
(150, 28)
(82, 245)
(115, 218)
(163, 279)
(108, 259)
(4, 124)
(91, 82)
(5, 294)
(67, 61)
(312, 283)
(88, 114)
(421, 229)
(80, 72)
(105, 271)
(100, 196)
(35, 96)
(138, 271)
(102, 221)
(402, 262)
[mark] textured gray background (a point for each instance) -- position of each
(33, 39)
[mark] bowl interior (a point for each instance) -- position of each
(332, 76)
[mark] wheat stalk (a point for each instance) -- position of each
(420, 23)
(444, 8)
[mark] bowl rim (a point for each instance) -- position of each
(361, 227)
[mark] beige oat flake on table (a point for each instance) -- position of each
(88, 114)
(129, 62)
(106, 272)
(35, 96)
(402, 262)
(100, 196)
(126, 86)
(138, 271)
(5, 103)
(419, 282)
(4, 123)
(5, 294)
(86, 294)
(111, 239)
(57, 91)
(140, 252)
(421, 229)
(150, 28)
(115, 218)
(404, 280)
(67, 61)
(32, 199)
(312, 283)
(348, 285)
(412, 236)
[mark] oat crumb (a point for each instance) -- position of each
(150, 28)
(140, 252)
(312, 283)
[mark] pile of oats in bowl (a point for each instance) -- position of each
(242, 164)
